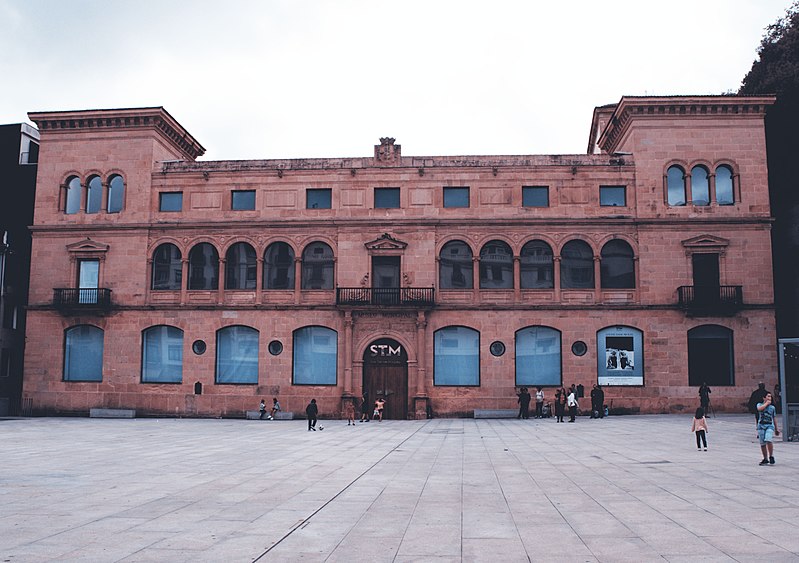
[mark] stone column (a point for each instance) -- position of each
(556, 277)
(104, 197)
(421, 399)
(184, 276)
(220, 291)
(597, 279)
(517, 278)
(297, 279)
(347, 346)
(259, 279)
(475, 279)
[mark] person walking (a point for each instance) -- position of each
(311, 412)
(539, 402)
(704, 396)
(524, 404)
(699, 426)
(349, 410)
(262, 409)
(767, 429)
(380, 404)
(275, 408)
(365, 408)
(560, 404)
(571, 401)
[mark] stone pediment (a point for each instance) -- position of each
(706, 241)
(385, 242)
(87, 245)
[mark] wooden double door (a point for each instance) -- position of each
(385, 374)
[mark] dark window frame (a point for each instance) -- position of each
(453, 197)
(319, 198)
(247, 204)
(608, 195)
(164, 201)
(531, 196)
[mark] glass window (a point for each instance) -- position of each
(170, 201)
(617, 268)
(319, 198)
(83, 354)
(620, 356)
(535, 196)
(279, 266)
(455, 266)
(700, 187)
(72, 205)
(243, 200)
(456, 197)
(116, 194)
(237, 355)
(315, 355)
(724, 193)
(496, 266)
(537, 269)
(88, 281)
(241, 267)
(167, 267)
(538, 356)
(387, 198)
(676, 185)
(612, 196)
(710, 356)
(203, 267)
(94, 197)
(456, 359)
(317, 266)
(162, 355)
(576, 265)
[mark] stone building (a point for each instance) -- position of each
(444, 283)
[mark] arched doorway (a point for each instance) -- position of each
(385, 374)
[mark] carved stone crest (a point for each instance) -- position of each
(387, 152)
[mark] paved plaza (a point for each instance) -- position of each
(628, 488)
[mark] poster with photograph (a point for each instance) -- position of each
(620, 356)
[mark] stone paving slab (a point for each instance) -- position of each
(628, 488)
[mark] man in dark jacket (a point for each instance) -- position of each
(757, 396)
(311, 411)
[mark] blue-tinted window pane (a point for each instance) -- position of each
(167, 268)
(73, 196)
(724, 195)
(537, 266)
(456, 197)
(676, 185)
(387, 198)
(457, 356)
(170, 201)
(94, 199)
(237, 355)
(535, 196)
(612, 196)
(83, 354)
(162, 355)
(317, 266)
(319, 199)
(315, 350)
(279, 266)
(243, 200)
(455, 266)
(496, 266)
(116, 194)
(700, 187)
(241, 267)
(538, 356)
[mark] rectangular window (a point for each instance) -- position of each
(243, 200)
(170, 201)
(320, 198)
(535, 196)
(5, 362)
(612, 196)
(387, 198)
(456, 196)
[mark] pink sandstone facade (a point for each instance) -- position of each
(195, 288)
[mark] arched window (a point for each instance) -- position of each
(73, 198)
(537, 269)
(710, 356)
(162, 355)
(456, 359)
(94, 196)
(676, 185)
(203, 267)
(496, 266)
(317, 266)
(455, 266)
(724, 190)
(167, 267)
(279, 266)
(576, 265)
(538, 361)
(315, 353)
(116, 193)
(83, 353)
(237, 355)
(700, 187)
(241, 267)
(617, 267)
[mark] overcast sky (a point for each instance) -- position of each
(309, 78)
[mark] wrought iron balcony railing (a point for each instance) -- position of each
(79, 298)
(711, 300)
(386, 296)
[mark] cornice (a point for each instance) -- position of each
(156, 118)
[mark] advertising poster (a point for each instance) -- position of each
(620, 358)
